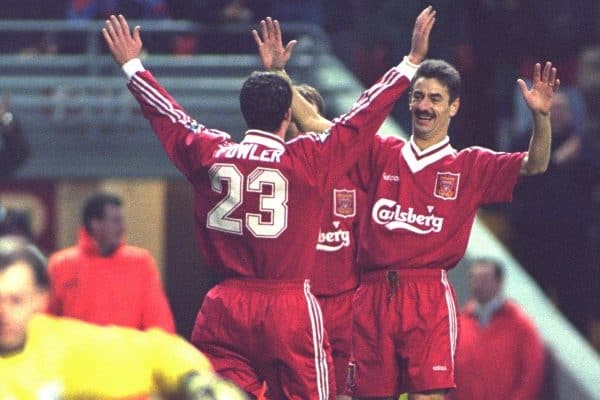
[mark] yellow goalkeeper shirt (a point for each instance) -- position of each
(69, 359)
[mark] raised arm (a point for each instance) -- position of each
(275, 56)
(539, 100)
(186, 142)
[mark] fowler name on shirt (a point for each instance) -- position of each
(250, 151)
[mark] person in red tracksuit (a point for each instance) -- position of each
(500, 353)
(257, 213)
(102, 279)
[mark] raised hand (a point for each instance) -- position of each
(122, 44)
(539, 97)
(420, 37)
(270, 46)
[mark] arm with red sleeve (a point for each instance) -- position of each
(185, 141)
(335, 151)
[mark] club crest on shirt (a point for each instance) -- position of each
(446, 185)
(344, 203)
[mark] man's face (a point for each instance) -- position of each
(20, 299)
(484, 283)
(430, 108)
(109, 231)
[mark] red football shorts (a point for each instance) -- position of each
(404, 333)
(256, 331)
(337, 314)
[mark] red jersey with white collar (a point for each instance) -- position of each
(258, 202)
(424, 201)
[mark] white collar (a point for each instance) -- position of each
(419, 159)
(264, 138)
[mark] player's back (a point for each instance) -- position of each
(257, 213)
(258, 202)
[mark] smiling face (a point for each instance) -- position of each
(431, 110)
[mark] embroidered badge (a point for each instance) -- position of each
(344, 203)
(446, 185)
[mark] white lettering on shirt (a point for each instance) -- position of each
(333, 240)
(393, 178)
(250, 151)
(390, 214)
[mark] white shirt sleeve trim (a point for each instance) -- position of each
(407, 68)
(132, 66)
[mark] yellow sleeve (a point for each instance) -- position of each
(114, 362)
(173, 358)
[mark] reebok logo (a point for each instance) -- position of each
(333, 240)
(392, 178)
(390, 214)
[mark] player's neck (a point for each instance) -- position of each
(280, 132)
(425, 142)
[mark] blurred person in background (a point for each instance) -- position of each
(30, 42)
(500, 353)
(15, 222)
(589, 84)
(44, 357)
(102, 279)
(219, 16)
(14, 148)
(549, 215)
(102, 9)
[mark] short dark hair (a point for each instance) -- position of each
(499, 269)
(312, 95)
(264, 99)
(15, 222)
(93, 207)
(443, 72)
(14, 249)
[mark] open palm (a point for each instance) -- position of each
(539, 97)
(270, 46)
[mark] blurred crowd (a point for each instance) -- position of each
(553, 224)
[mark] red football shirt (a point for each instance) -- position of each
(258, 202)
(335, 268)
(423, 203)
